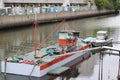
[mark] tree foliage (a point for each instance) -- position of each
(107, 4)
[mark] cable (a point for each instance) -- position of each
(5, 77)
(32, 71)
(46, 39)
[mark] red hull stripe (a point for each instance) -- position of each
(54, 61)
(44, 66)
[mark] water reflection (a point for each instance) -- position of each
(11, 41)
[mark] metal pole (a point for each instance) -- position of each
(101, 63)
(0, 66)
(99, 67)
(5, 78)
(35, 31)
(119, 67)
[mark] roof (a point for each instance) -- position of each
(64, 31)
(89, 39)
(101, 32)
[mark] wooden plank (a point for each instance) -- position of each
(58, 71)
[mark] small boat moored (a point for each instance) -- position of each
(101, 39)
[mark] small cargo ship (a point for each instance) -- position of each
(42, 60)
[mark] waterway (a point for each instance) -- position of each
(20, 41)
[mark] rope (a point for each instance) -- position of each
(46, 39)
(5, 69)
(32, 72)
(66, 26)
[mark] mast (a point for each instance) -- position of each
(35, 30)
(46, 39)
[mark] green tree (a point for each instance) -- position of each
(98, 4)
(107, 4)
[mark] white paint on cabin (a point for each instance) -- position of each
(101, 35)
(66, 35)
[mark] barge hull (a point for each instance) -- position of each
(26, 69)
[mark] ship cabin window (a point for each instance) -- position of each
(70, 35)
(77, 34)
(66, 35)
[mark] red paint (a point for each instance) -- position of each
(63, 42)
(44, 66)
(54, 62)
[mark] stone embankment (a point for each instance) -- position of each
(19, 20)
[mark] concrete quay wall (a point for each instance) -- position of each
(19, 20)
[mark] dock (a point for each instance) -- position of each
(21, 20)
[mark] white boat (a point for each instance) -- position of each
(101, 39)
(42, 60)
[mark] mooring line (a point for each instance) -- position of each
(5, 69)
(32, 72)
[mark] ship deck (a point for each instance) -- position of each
(48, 58)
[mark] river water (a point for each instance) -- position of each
(20, 41)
